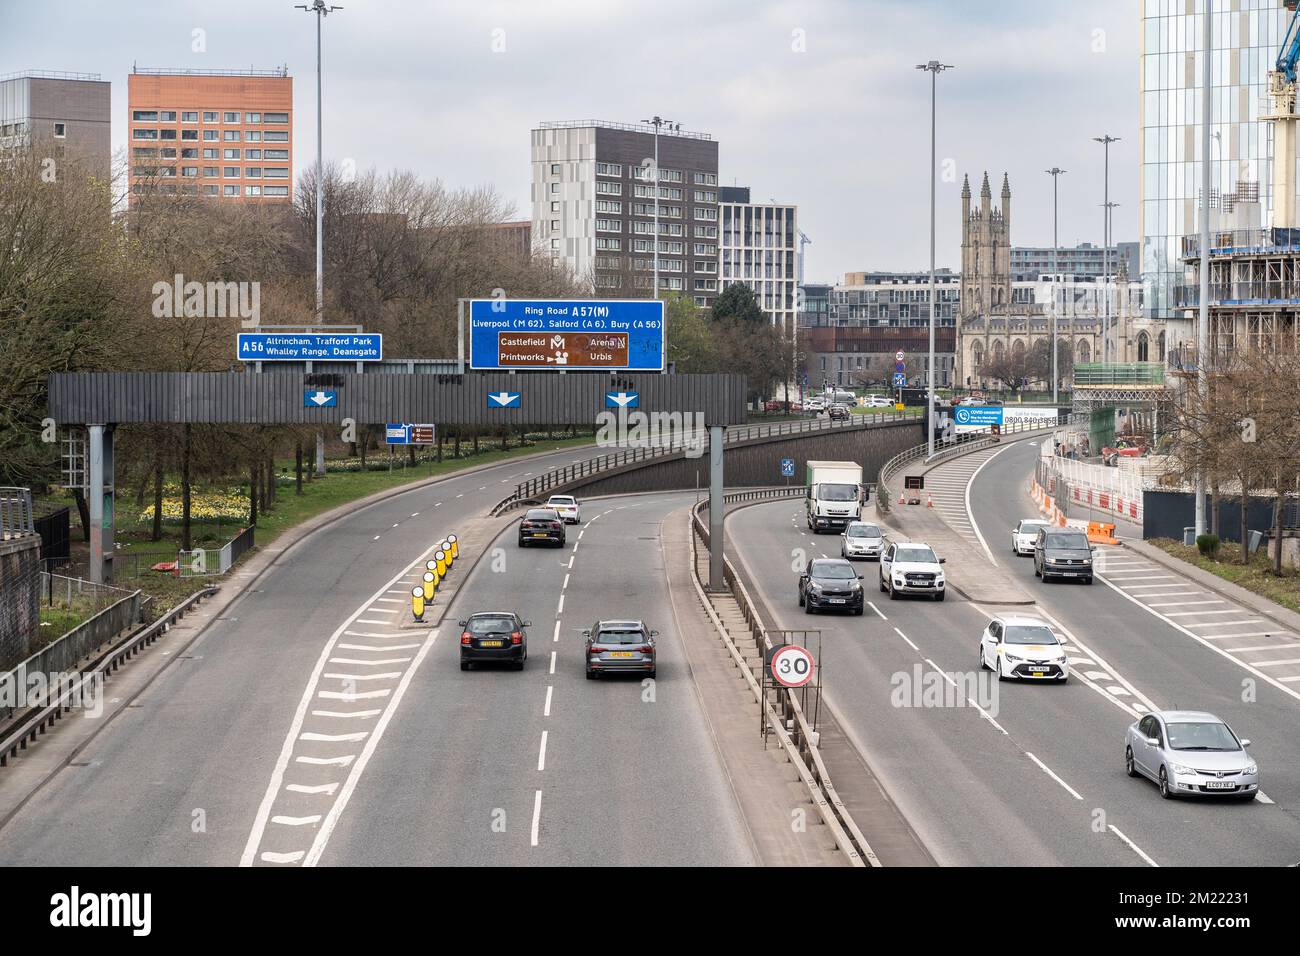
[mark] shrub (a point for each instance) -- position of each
(1208, 544)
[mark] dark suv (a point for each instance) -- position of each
(831, 583)
(541, 524)
(1063, 553)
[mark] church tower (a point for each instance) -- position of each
(985, 250)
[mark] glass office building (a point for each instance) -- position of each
(1246, 37)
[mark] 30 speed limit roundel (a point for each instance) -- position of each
(792, 665)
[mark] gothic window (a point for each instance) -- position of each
(1082, 353)
(1144, 347)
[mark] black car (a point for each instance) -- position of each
(619, 647)
(499, 637)
(541, 524)
(831, 583)
(1063, 553)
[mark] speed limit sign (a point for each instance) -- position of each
(792, 665)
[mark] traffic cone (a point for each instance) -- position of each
(929, 501)
(901, 500)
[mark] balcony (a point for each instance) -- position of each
(1123, 374)
(1187, 295)
(1241, 241)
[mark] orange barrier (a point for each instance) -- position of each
(1099, 533)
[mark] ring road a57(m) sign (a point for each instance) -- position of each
(583, 334)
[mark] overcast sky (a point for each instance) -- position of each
(815, 103)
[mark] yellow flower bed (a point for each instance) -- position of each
(204, 506)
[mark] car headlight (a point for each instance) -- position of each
(1180, 769)
(1251, 770)
(1018, 660)
(814, 586)
(898, 579)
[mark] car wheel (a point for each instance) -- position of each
(464, 665)
(591, 675)
(801, 599)
(1164, 785)
(997, 667)
(984, 666)
(1129, 768)
(523, 543)
(809, 608)
(519, 665)
(893, 595)
(858, 611)
(1037, 573)
(1087, 580)
(652, 673)
(940, 595)
(883, 589)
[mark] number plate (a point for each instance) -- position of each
(1220, 785)
(491, 643)
(1039, 673)
(837, 600)
(539, 534)
(620, 653)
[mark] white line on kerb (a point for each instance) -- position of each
(877, 610)
(906, 638)
(1131, 845)
(537, 815)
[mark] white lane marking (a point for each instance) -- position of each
(344, 713)
(415, 515)
(877, 610)
(327, 761)
(537, 815)
(1152, 587)
(552, 662)
(571, 557)
(376, 537)
(294, 857)
(541, 754)
(970, 514)
(1289, 660)
(396, 591)
(394, 526)
(1147, 577)
(354, 695)
(461, 495)
(546, 709)
(1259, 795)
(557, 634)
(389, 675)
(1261, 647)
(437, 504)
(333, 738)
(372, 633)
(376, 647)
(560, 607)
(389, 601)
(1048, 770)
(970, 700)
(1195, 613)
(1184, 603)
(383, 610)
(565, 584)
(1251, 620)
(371, 620)
(1161, 594)
(581, 533)
(906, 638)
(1131, 845)
(296, 821)
(325, 788)
(374, 663)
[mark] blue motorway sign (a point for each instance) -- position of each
(900, 379)
(622, 399)
(787, 467)
(604, 334)
(505, 400)
(309, 347)
(320, 398)
(977, 416)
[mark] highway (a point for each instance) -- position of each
(252, 747)
(1037, 778)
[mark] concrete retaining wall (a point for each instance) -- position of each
(757, 463)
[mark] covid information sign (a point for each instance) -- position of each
(576, 334)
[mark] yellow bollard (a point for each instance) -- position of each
(429, 585)
(432, 565)
(445, 547)
(442, 562)
(417, 604)
(455, 548)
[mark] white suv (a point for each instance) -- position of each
(911, 567)
(567, 507)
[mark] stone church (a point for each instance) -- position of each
(999, 316)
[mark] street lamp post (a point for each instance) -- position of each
(321, 10)
(656, 122)
(934, 68)
(1105, 141)
(1054, 172)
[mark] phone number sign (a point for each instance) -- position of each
(581, 334)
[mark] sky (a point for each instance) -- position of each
(815, 103)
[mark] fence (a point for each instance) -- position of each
(74, 591)
(16, 512)
(197, 562)
(1119, 373)
(55, 539)
(535, 488)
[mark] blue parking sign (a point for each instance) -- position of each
(787, 467)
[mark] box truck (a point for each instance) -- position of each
(834, 496)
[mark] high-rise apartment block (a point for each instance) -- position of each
(68, 113)
(221, 135)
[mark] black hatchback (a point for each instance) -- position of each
(499, 637)
(541, 524)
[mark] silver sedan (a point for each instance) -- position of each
(1190, 752)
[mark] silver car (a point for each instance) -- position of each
(1189, 752)
(862, 539)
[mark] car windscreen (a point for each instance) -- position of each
(1029, 634)
(560, 500)
(1068, 542)
(490, 625)
(619, 636)
(833, 570)
(864, 531)
(1029, 527)
(1201, 735)
(919, 555)
(542, 514)
(831, 492)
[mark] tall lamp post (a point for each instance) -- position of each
(1105, 244)
(322, 10)
(1054, 172)
(934, 68)
(656, 122)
